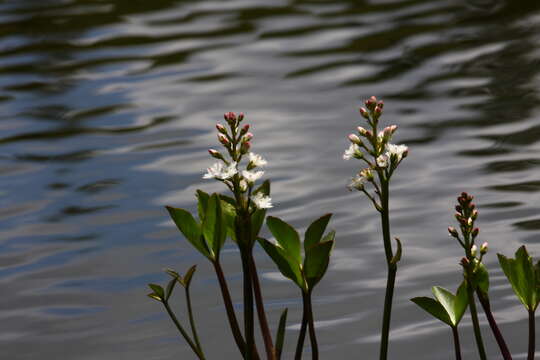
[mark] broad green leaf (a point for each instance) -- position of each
(257, 220)
(228, 212)
(287, 238)
(158, 290)
(280, 336)
(316, 262)
(202, 201)
(264, 188)
(448, 301)
(170, 288)
(433, 307)
(189, 275)
(461, 302)
(316, 230)
(213, 227)
(521, 274)
(330, 236)
(189, 228)
(285, 264)
(229, 200)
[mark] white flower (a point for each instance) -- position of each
(218, 171)
(257, 160)
(382, 161)
(243, 185)
(357, 182)
(261, 201)
(400, 151)
(252, 176)
(351, 151)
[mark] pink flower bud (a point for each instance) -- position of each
(229, 116)
(393, 128)
(362, 131)
(247, 137)
(475, 232)
(458, 208)
(214, 153)
(371, 102)
(464, 262)
(245, 129)
(484, 248)
(221, 128)
(474, 214)
(355, 139)
(452, 231)
(223, 139)
(240, 117)
(377, 111)
(244, 148)
(364, 113)
(380, 104)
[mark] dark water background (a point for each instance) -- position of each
(107, 109)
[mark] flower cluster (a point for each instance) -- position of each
(466, 214)
(237, 141)
(374, 148)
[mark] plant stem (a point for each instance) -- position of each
(231, 315)
(484, 301)
(249, 327)
(474, 317)
(531, 336)
(392, 268)
(312, 336)
(457, 347)
(196, 350)
(191, 320)
(302, 335)
(265, 330)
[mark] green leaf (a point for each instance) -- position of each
(287, 237)
(330, 236)
(155, 297)
(285, 264)
(229, 200)
(447, 300)
(316, 262)
(158, 290)
(316, 230)
(228, 212)
(264, 188)
(202, 201)
(189, 228)
(189, 275)
(521, 274)
(257, 220)
(280, 336)
(461, 302)
(433, 307)
(213, 227)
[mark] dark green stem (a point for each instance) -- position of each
(474, 317)
(531, 336)
(192, 321)
(392, 268)
(249, 327)
(302, 335)
(265, 330)
(196, 350)
(457, 347)
(312, 336)
(229, 308)
(484, 301)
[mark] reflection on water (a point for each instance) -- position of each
(107, 109)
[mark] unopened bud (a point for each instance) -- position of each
(380, 104)
(215, 154)
(470, 221)
(229, 117)
(364, 113)
(240, 117)
(475, 232)
(367, 173)
(223, 139)
(464, 262)
(484, 248)
(355, 139)
(377, 112)
(247, 137)
(244, 148)
(244, 130)
(362, 131)
(474, 250)
(458, 216)
(474, 214)
(472, 206)
(371, 103)
(243, 185)
(221, 128)
(452, 231)
(459, 208)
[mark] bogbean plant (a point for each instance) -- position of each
(240, 216)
